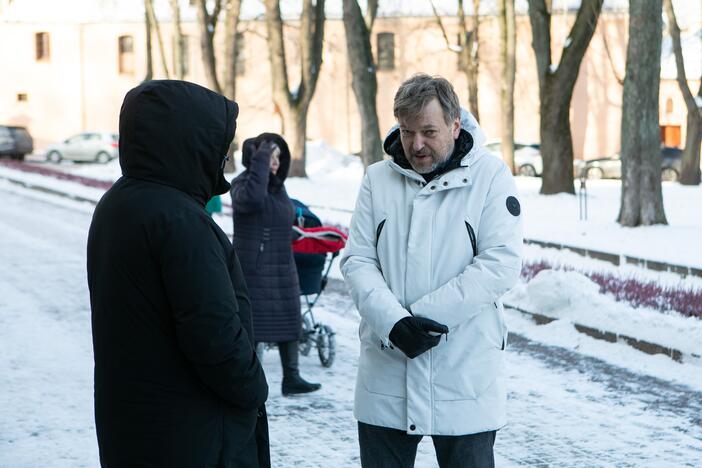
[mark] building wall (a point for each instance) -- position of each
(80, 87)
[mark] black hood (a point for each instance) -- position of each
(177, 133)
(248, 150)
(462, 146)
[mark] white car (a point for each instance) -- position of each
(527, 157)
(100, 147)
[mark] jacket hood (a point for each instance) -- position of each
(393, 146)
(250, 145)
(177, 133)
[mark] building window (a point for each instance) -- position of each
(386, 51)
(186, 54)
(670, 135)
(41, 46)
(22, 97)
(126, 55)
(669, 106)
(240, 55)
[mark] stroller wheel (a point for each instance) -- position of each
(307, 338)
(326, 345)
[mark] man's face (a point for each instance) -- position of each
(427, 140)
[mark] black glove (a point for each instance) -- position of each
(411, 335)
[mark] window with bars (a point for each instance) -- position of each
(186, 53)
(41, 47)
(126, 55)
(240, 55)
(386, 50)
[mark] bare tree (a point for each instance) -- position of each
(364, 81)
(690, 171)
(294, 105)
(149, 53)
(467, 49)
(508, 37)
(154, 23)
(642, 199)
(231, 46)
(179, 43)
(208, 23)
(556, 83)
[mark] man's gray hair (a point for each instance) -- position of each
(417, 91)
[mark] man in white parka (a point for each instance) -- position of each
(435, 242)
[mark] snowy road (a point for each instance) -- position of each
(565, 409)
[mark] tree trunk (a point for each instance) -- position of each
(295, 129)
(556, 83)
(690, 170)
(293, 106)
(364, 83)
(207, 23)
(149, 54)
(641, 197)
(508, 44)
(179, 43)
(154, 22)
(231, 47)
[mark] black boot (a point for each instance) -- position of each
(290, 359)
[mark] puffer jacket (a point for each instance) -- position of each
(447, 250)
(263, 217)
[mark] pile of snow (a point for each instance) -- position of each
(571, 297)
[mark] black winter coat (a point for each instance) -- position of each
(177, 382)
(263, 218)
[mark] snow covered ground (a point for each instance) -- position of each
(574, 400)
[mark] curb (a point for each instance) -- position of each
(611, 337)
(620, 259)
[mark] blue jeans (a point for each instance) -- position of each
(382, 447)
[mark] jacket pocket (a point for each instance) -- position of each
(379, 231)
(381, 369)
(469, 364)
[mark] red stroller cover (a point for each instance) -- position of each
(318, 240)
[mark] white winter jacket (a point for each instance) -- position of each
(446, 250)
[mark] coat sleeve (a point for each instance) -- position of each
(249, 193)
(359, 264)
(204, 308)
(496, 268)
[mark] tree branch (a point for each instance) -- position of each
(674, 31)
(441, 26)
(276, 50)
(540, 19)
(371, 13)
(619, 79)
(579, 38)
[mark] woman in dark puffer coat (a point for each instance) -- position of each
(263, 218)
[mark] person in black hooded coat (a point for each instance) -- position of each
(263, 217)
(177, 381)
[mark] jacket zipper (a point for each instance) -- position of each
(473, 242)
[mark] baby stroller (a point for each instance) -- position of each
(315, 247)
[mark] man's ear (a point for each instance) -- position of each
(456, 127)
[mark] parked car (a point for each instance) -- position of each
(611, 167)
(527, 157)
(15, 142)
(87, 146)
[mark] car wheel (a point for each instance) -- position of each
(527, 170)
(54, 156)
(668, 174)
(102, 158)
(595, 173)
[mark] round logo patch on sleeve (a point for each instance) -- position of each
(513, 206)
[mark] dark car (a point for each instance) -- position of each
(15, 142)
(611, 167)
